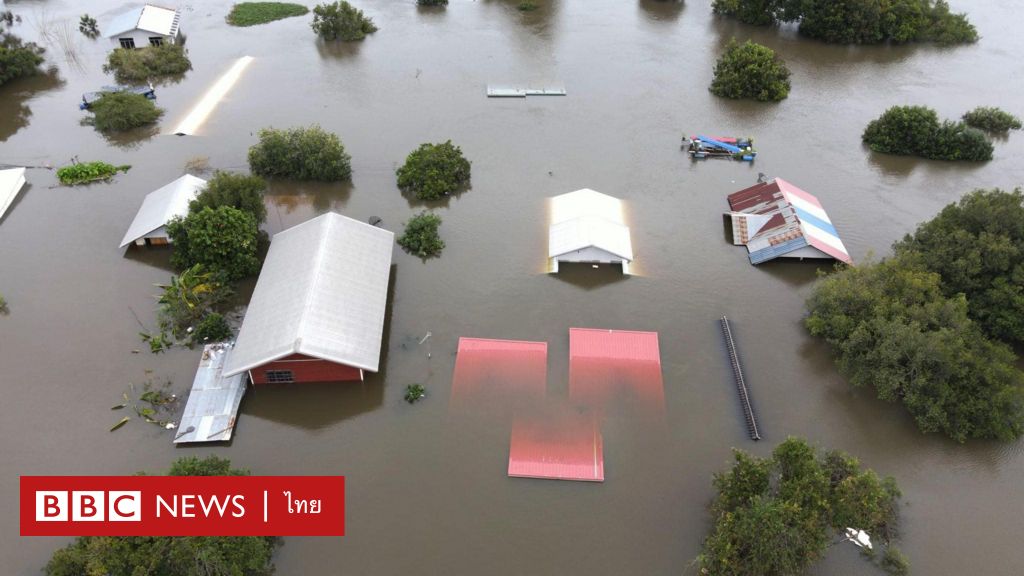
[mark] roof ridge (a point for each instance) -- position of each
(326, 228)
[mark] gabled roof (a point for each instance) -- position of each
(161, 205)
(148, 18)
(11, 181)
(322, 293)
(775, 218)
(585, 219)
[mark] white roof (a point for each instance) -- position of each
(155, 19)
(322, 293)
(584, 219)
(11, 181)
(163, 204)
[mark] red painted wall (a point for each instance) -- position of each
(307, 369)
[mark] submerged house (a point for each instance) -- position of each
(588, 227)
(146, 26)
(149, 228)
(778, 220)
(11, 181)
(317, 312)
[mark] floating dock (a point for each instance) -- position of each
(741, 385)
(502, 92)
(213, 402)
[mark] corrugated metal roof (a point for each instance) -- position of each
(502, 374)
(615, 370)
(149, 18)
(162, 204)
(793, 213)
(559, 445)
(585, 219)
(213, 402)
(322, 292)
(11, 181)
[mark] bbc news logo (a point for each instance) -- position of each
(88, 506)
(182, 505)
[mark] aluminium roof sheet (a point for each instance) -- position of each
(11, 182)
(163, 204)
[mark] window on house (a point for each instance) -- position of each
(127, 42)
(279, 376)
(155, 40)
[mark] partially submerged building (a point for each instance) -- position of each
(317, 312)
(144, 26)
(588, 227)
(11, 182)
(158, 208)
(778, 220)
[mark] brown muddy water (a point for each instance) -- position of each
(426, 494)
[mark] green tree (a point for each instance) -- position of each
(916, 131)
(17, 57)
(300, 153)
(120, 111)
(432, 2)
(341, 21)
(433, 171)
(137, 65)
(169, 555)
(188, 298)
(892, 329)
(991, 119)
(236, 190)
(776, 516)
(224, 240)
(976, 246)
(420, 236)
(750, 70)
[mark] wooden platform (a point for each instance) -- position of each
(505, 92)
(213, 402)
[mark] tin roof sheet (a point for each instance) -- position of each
(616, 370)
(503, 374)
(557, 446)
(212, 404)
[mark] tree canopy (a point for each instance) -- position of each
(750, 70)
(120, 111)
(892, 328)
(858, 21)
(420, 236)
(17, 57)
(223, 239)
(992, 120)
(917, 131)
(976, 246)
(167, 555)
(233, 189)
(308, 153)
(433, 171)
(776, 516)
(137, 65)
(341, 21)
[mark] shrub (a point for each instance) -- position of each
(236, 190)
(858, 21)
(991, 119)
(420, 236)
(223, 239)
(253, 13)
(432, 2)
(181, 556)
(136, 65)
(892, 328)
(916, 131)
(120, 111)
(750, 70)
(894, 562)
(300, 153)
(17, 58)
(434, 170)
(189, 298)
(212, 328)
(341, 21)
(85, 172)
(777, 515)
(87, 25)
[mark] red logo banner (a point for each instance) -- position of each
(182, 505)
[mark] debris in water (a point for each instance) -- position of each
(414, 392)
(122, 422)
(424, 339)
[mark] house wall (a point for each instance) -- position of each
(589, 255)
(141, 38)
(307, 369)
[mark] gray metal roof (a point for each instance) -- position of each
(161, 205)
(322, 293)
(212, 405)
(586, 218)
(149, 18)
(11, 181)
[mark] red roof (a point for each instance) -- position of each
(502, 374)
(558, 445)
(616, 369)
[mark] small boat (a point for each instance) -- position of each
(720, 147)
(90, 97)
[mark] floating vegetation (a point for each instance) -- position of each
(154, 402)
(3, 306)
(85, 172)
(414, 392)
(120, 423)
(527, 6)
(197, 165)
(253, 13)
(157, 342)
(87, 25)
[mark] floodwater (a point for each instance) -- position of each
(427, 494)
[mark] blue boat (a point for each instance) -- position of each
(91, 97)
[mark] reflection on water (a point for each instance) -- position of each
(14, 112)
(664, 11)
